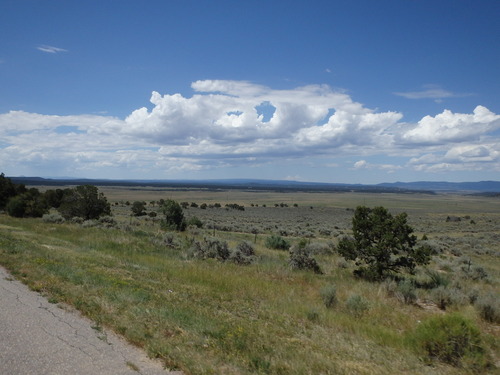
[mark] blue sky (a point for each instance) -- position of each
(332, 91)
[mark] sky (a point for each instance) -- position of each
(351, 91)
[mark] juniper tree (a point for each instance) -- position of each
(382, 244)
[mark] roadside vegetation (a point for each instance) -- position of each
(269, 283)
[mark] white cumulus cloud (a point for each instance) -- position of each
(228, 113)
(238, 123)
(453, 127)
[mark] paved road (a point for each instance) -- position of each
(39, 338)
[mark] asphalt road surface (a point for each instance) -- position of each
(39, 338)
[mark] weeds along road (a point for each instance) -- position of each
(37, 337)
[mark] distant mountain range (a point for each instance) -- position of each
(427, 187)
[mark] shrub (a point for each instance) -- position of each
(219, 248)
(195, 221)
(211, 248)
(77, 220)
(436, 279)
(246, 248)
(277, 242)
(441, 297)
(434, 246)
(312, 315)
(321, 248)
(235, 206)
(444, 265)
(456, 252)
(301, 259)
(357, 305)
(451, 339)
(473, 296)
(406, 292)
(390, 287)
(324, 232)
(193, 230)
(237, 257)
(444, 297)
(89, 224)
(329, 296)
(489, 308)
(243, 254)
(475, 272)
(107, 221)
(53, 218)
(168, 240)
(138, 208)
(342, 263)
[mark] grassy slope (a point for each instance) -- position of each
(207, 317)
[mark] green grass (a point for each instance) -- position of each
(208, 317)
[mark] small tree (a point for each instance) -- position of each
(382, 244)
(174, 217)
(54, 197)
(152, 215)
(84, 201)
(8, 189)
(138, 208)
(16, 206)
(29, 204)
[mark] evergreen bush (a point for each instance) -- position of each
(451, 339)
(277, 242)
(382, 244)
(195, 221)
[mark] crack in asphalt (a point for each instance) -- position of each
(66, 342)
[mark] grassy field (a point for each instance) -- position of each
(212, 317)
